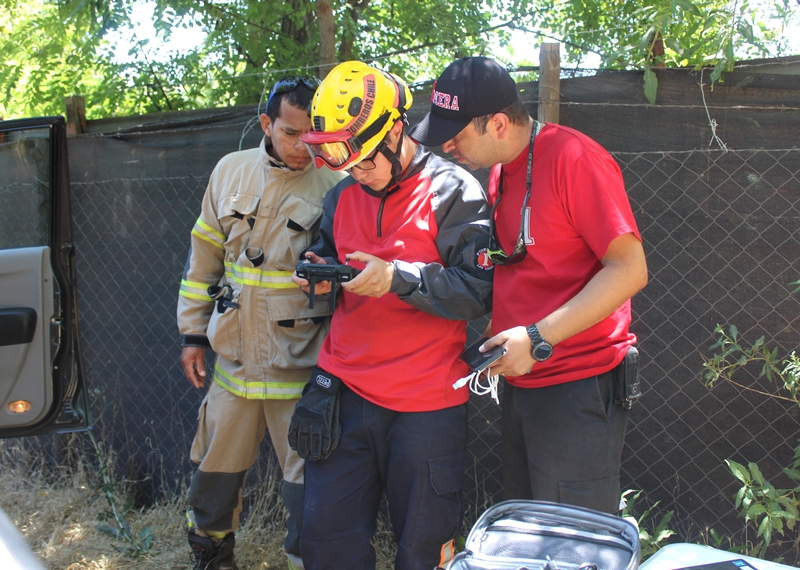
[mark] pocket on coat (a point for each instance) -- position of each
(223, 334)
(300, 223)
(293, 347)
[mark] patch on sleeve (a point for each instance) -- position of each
(483, 261)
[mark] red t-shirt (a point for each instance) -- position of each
(578, 206)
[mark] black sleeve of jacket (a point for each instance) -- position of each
(325, 246)
(460, 290)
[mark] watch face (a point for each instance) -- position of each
(542, 351)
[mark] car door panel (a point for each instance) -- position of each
(26, 308)
(41, 379)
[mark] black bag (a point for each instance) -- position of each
(538, 535)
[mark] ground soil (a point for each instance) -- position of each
(58, 510)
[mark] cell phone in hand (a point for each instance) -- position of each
(480, 361)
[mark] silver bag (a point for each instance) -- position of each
(538, 535)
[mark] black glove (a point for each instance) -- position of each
(314, 430)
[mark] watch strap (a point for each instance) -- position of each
(541, 350)
(534, 335)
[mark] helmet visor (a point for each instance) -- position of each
(337, 150)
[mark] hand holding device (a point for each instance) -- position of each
(480, 361)
(335, 273)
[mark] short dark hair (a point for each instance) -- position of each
(299, 97)
(516, 112)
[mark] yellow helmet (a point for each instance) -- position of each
(351, 112)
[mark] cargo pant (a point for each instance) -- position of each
(417, 458)
(229, 432)
(563, 443)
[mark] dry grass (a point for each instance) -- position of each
(57, 510)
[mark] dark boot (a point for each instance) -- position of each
(213, 555)
(292, 495)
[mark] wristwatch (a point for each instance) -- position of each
(541, 350)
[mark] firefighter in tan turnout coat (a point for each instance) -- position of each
(261, 210)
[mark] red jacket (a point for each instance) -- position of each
(400, 351)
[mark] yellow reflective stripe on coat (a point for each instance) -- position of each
(195, 290)
(205, 232)
(258, 390)
(255, 277)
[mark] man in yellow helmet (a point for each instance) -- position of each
(380, 414)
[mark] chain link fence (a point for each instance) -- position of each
(721, 236)
(132, 239)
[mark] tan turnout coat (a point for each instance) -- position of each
(268, 344)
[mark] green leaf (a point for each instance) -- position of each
(793, 473)
(729, 57)
(755, 471)
(650, 85)
(716, 538)
(663, 535)
(739, 497)
(460, 543)
(689, 7)
(755, 510)
(747, 499)
(674, 44)
(146, 538)
(647, 38)
(661, 527)
(106, 529)
(738, 471)
(746, 31)
(765, 530)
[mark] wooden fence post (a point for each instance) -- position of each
(549, 82)
(327, 37)
(76, 115)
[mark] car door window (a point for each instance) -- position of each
(25, 188)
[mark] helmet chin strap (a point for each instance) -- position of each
(394, 159)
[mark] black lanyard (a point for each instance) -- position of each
(498, 255)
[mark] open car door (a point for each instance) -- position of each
(41, 378)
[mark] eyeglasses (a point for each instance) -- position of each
(369, 162)
(291, 83)
(495, 251)
(340, 149)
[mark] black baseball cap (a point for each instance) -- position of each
(470, 87)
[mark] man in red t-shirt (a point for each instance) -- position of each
(568, 258)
